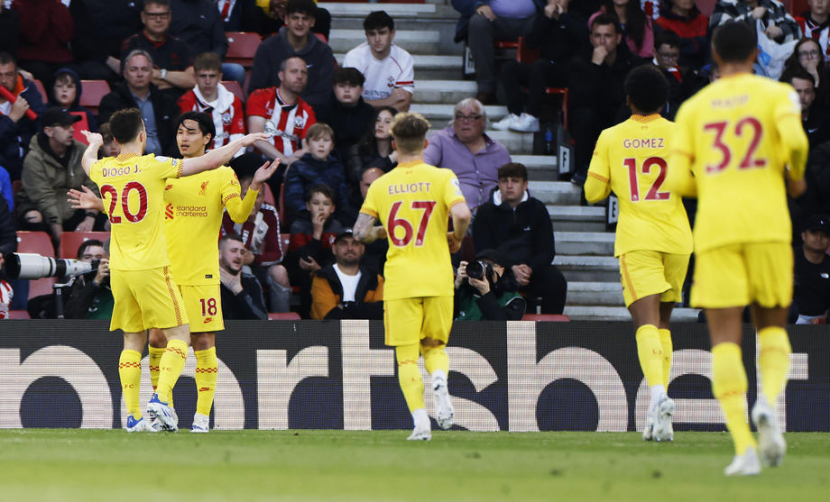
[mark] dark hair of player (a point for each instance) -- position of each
(796, 71)
(307, 7)
(378, 19)
(351, 76)
(231, 237)
(6, 58)
(318, 130)
(734, 42)
(126, 124)
(321, 189)
(88, 244)
(204, 120)
(409, 131)
(513, 170)
(606, 19)
(207, 61)
(647, 89)
(665, 37)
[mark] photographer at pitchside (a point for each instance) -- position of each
(486, 291)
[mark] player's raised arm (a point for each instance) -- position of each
(219, 156)
(91, 153)
(84, 200)
(239, 209)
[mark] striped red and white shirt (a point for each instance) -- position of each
(226, 112)
(818, 32)
(6, 295)
(382, 76)
(225, 8)
(290, 121)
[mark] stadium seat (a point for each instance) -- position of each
(321, 37)
(92, 91)
(234, 87)
(283, 316)
(269, 196)
(19, 314)
(546, 318)
(42, 91)
(71, 241)
(706, 6)
(40, 243)
(242, 47)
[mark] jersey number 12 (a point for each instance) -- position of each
(654, 192)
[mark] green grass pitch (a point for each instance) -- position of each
(90, 465)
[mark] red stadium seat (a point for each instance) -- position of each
(92, 91)
(706, 6)
(234, 87)
(19, 314)
(42, 91)
(71, 241)
(269, 196)
(242, 47)
(283, 316)
(40, 243)
(546, 318)
(321, 37)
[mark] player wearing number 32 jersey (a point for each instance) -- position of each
(413, 203)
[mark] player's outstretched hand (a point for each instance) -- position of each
(266, 171)
(250, 139)
(93, 138)
(84, 200)
(455, 243)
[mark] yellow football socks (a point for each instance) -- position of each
(668, 350)
(729, 386)
(207, 368)
(409, 376)
(155, 359)
(773, 361)
(435, 358)
(171, 366)
(650, 352)
(129, 369)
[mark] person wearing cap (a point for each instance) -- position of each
(52, 168)
(812, 271)
(492, 297)
(344, 289)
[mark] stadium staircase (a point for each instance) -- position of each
(583, 245)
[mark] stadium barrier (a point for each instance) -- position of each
(514, 376)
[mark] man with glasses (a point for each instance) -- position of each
(666, 55)
(471, 154)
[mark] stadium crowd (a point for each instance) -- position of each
(329, 129)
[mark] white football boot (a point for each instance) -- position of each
(663, 414)
(744, 465)
(444, 411)
(771, 444)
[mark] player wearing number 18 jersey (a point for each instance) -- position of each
(653, 240)
(413, 203)
(737, 136)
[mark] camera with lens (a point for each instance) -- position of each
(479, 270)
(35, 266)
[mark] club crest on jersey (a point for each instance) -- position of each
(390, 82)
(299, 122)
(226, 118)
(168, 212)
(204, 188)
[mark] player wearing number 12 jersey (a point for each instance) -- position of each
(653, 240)
(145, 293)
(413, 203)
(734, 141)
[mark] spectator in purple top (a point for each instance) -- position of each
(471, 154)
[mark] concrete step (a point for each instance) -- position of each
(595, 294)
(585, 243)
(539, 167)
(448, 92)
(560, 193)
(415, 42)
(576, 219)
(600, 313)
(360, 10)
(580, 268)
(429, 67)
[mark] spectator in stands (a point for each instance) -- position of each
(637, 28)
(263, 253)
(559, 35)
(389, 70)
(375, 148)
(52, 168)
(210, 96)
(6, 189)
(778, 24)
(295, 41)
(666, 54)
(112, 22)
(110, 148)
(9, 30)
(66, 95)
(282, 112)
(815, 24)
(241, 292)
(812, 271)
(472, 155)
(807, 55)
(91, 296)
(345, 289)
(312, 238)
(596, 85)
(318, 166)
(519, 226)
(684, 18)
(268, 16)
(349, 116)
(137, 91)
(46, 27)
(490, 297)
(16, 129)
(814, 118)
(172, 57)
(496, 20)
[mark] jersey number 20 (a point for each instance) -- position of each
(125, 201)
(393, 223)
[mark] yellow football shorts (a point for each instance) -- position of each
(645, 273)
(203, 304)
(736, 275)
(409, 320)
(145, 299)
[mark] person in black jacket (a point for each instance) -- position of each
(491, 297)
(9, 30)
(16, 129)
(519, 227)
(8, 237)
(241, 293)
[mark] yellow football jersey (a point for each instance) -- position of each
(132, 189)
(413, 203)
(192, 220)
(736, 136)
(630, 159)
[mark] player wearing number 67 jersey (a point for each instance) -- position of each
(653, 240)
(413, 203)
(734, 141)
(145, 293)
